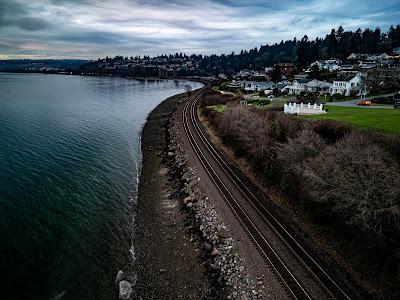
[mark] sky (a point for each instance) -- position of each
(89, 29)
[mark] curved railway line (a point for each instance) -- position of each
(220, 172)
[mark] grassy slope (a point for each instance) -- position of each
(387, 120)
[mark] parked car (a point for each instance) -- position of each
(397, 105)
(364, 103)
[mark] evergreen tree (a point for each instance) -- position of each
(276, 74)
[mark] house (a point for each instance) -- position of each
(244, 73)
(377, 57)
(255, 86)
(348, 85)
(381, 74)
(302, 75)
(367, 65)
(287, 69)
(334, 61)
(268, 69)
(297, 87)
(348, 70)
(316, 86)
(357, 56)
(281, 84)
(331, 65)
(236, 84)
(252, 74)
(396, 51)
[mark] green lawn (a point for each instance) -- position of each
(387, 120)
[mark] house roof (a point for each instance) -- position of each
(285, 64)
(303, 81)
(346, 77)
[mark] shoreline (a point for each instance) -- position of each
(184, 250)
(167, 265)
(202, 80)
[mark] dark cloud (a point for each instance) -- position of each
(92, 28)
(15, 14)
(10, 10)
(31, 23)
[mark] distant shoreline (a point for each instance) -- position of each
(202, 80)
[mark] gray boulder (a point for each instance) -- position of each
(120, 276)
(125, 290)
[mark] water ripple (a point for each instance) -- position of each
(69, 166)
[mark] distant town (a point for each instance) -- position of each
(327, 67)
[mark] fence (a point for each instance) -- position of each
(294, 108)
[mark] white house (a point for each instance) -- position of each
(297, 87)
(256, 86)
(357, 56)
(331, 65)
(348, 84)
(316, 86)
(378, 57)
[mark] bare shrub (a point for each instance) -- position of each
(390, 142)
(358, 183)
(254, 134)
(339, 172)
(290, 155)
(331, 131)
(305, 145)
(282, 126)
(212, 97)
(213, 117)
(247, 130)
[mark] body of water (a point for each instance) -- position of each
(69, 162)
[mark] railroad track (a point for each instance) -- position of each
(207, 153)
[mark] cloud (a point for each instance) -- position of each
(95, 28)
(31, 23)
(16, 14)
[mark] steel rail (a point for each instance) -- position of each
(311, 264)
(279, 267)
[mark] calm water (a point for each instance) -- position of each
(69, 157)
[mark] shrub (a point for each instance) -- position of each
(212, 97)
(345, 178)
(342, 175)
(290, 155)
(356, 182)
(331, 131)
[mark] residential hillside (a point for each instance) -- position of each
(339, 44)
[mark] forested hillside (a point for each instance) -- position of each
(339, 44)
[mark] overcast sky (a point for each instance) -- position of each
(96, 28)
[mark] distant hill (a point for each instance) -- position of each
(337, 44)
(41, 65)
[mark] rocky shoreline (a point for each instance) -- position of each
(182, 251)
(230, 281)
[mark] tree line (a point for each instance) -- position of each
(338, 43)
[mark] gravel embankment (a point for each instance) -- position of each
(182, 249)
(225, 266)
